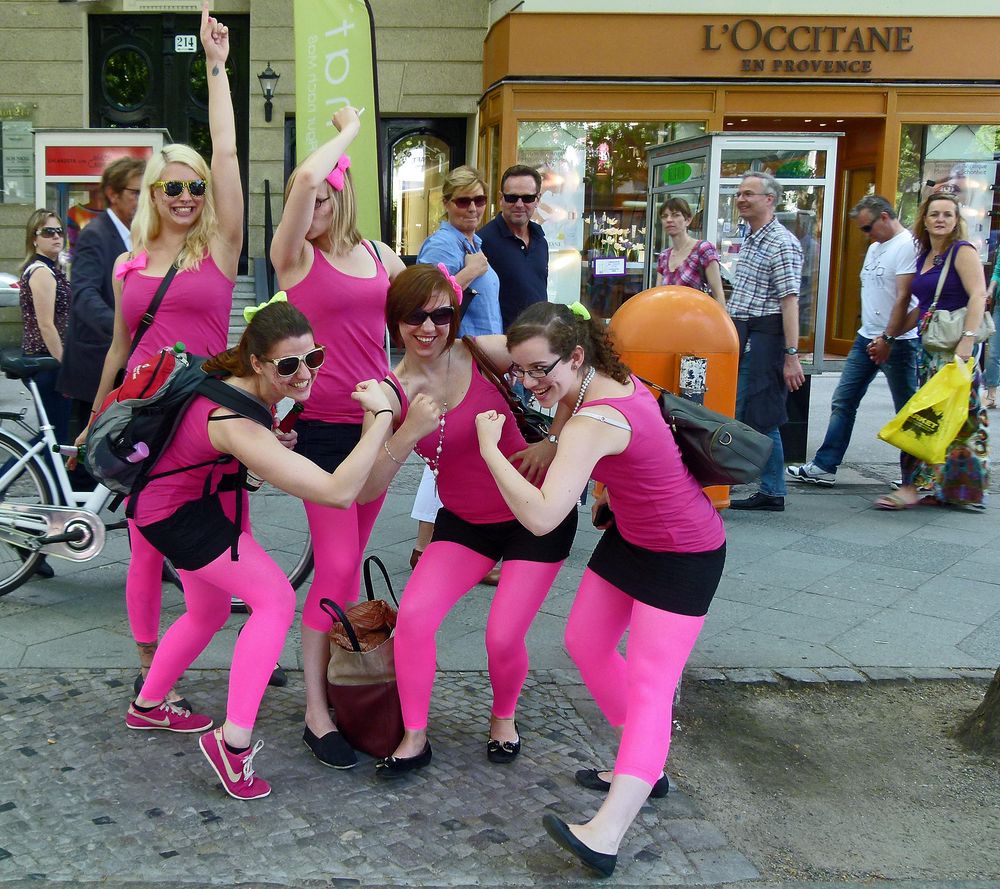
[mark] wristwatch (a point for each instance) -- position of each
(791, 350)
(552, 438)
(966, 333)
(888, 340)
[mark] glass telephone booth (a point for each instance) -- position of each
(706, 171)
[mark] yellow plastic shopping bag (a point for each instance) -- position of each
(931, 419)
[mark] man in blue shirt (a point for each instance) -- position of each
(515, 246)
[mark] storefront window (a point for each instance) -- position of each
(419, 165)
(958, 158)
(593, 204)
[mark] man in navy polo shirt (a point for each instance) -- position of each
(515, 246)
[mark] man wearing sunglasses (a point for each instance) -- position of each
(92, 300)
(515, 246)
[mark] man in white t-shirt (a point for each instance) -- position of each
(887, 274)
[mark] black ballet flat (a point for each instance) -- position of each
(600, 863)
(592, 780)
(180, 702)
(398, 766)
(504, 751)
(332, 749)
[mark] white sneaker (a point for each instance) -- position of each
(812, 474)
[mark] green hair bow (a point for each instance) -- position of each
(250, 311)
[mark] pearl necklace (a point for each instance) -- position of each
(433, 463)
(583, 388)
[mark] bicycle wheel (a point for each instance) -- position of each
(280, 527)
(27, 487)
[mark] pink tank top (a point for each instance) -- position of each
(348, 317)
(162, 497)
(668, 512)
(465, 485)
(195, 311)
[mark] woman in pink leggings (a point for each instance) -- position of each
(437, 391)
(181, 514)
(339, 281)
(190, 217)
(654, 571)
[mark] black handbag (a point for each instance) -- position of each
(716, 449)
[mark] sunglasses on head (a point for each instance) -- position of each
(524, 198)
(50, 231)
(479, 200)
(440, 317)
(172, 188)
(288, 366)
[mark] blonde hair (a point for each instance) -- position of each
(461, 178)
(35, 221)
(146, 224)
(343, 233)
(959, 233)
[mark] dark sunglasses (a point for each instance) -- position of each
(463, 203)
(524, 198)
(440, 317)
(50, 231)
(536, 373)
(867, 228)
(289, 365)
(172, 188)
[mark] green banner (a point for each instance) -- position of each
(335, 66)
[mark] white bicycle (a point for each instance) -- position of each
(42, 514)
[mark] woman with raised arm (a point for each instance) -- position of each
(654, 571)
(339, 281)
(181, 513)
(436, 391)
(189, 219)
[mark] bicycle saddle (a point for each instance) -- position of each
(23, 367)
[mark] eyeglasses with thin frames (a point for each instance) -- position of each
(536, 373)
(288, 365)
(172, 188)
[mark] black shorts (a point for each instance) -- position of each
(194, 536)
(683, 583)
(326, 444)
(507, 540)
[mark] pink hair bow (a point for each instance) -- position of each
(443, 269)
(135, 264)
(336, 175)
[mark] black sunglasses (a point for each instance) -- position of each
(172, 188)
(50, 231)
(536, 373)
(514, 198)
(289, 365)
(440, 317)
(463, 203)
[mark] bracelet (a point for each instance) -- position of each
(385, 445)
(93, 413)
(385, 410)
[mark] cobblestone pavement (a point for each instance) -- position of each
(82, 799)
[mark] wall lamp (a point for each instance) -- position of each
(268, 82)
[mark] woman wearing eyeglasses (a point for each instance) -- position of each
(44, 297)
(436, 392)
(339, 281)
(189, 217)
(182, 515)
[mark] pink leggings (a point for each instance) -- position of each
(446, 572)
(339, 538)
(257, 580)
(635, 691)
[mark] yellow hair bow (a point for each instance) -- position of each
(250, 311)
(580, 310)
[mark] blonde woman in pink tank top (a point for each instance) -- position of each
(190, 216)
(339, 281)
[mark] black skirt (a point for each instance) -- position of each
(507, 540)
(683, 583)
(195, 535)
(326, 444)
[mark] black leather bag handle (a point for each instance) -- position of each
(335, 611)
(369, 586)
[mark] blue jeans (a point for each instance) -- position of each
(991, 372)
(772, 479)
(859, 370)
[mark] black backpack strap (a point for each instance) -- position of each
(147, 319)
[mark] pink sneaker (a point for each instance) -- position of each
(235, 770)
(168, 717)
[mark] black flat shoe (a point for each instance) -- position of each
(504, 751)
(600, 863)
(331, 750)
(279, 679)
(592, 780)
(137, 687)
(398, 766)
(43, 569)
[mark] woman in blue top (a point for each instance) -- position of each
(964, 478)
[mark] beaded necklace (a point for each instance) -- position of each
(433, 463)
(583, 388)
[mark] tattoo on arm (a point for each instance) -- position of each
(215, 71)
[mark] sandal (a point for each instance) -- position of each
(894, 501)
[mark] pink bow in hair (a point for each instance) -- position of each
(443, 269)
(135, 264)
(336, 175)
